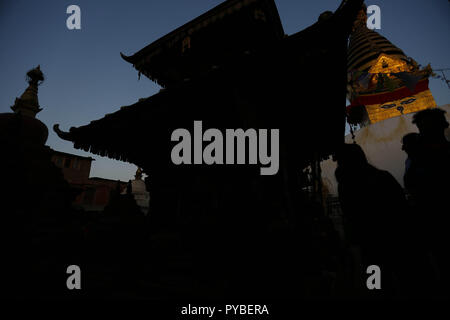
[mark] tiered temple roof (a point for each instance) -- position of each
(236, 70)
(295, 84)
(211, 39)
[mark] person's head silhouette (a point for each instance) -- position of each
(431, 123)
(350, 159)
(410, 143)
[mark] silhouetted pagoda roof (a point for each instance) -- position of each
(267, 87)
(232, 27)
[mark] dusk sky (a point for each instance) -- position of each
(86, 77)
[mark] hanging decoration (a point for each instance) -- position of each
(443, 77)
(410, 80)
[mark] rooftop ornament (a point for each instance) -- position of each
(28, 103)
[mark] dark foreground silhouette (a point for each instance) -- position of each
(426, 179)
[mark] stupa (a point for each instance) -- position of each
(139, 191)
(383, 81)
(385, 88)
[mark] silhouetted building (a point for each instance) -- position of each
(93, 193)
(232, 67)
(76, 169)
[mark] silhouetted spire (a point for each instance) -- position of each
(28, 103)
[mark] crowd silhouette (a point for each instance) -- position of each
(242, 251)
(404, 233)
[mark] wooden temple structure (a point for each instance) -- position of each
(233, 67)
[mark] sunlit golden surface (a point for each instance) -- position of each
(379, 112)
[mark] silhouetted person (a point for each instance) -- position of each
(427, 181)
(410, 144)
(374, 208)
(419, 250)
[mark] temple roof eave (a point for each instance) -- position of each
(127, 58)
(87, 137)
(62, 134)
(205, 19)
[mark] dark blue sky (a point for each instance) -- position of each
(86, 78)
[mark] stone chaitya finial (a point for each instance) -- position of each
(138, 175)
(28, 103)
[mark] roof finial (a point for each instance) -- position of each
(28, 103)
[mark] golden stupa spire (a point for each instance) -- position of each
(138, 175)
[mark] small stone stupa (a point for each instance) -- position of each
(40, 230)
(138, 189)
(21, 127)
